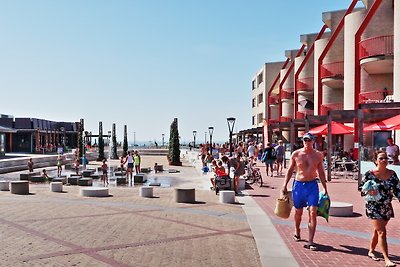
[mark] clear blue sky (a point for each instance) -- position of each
(143, 63)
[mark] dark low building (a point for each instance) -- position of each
(32, 135)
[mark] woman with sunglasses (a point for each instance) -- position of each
(385, 184)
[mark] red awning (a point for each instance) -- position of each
(389, 124)
(337, 128)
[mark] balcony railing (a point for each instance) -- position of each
(332, 70)
(330, 106)
(273, 100)
(272, 121)
(302, 114)
(284, 119)
(287, 93)
(374, 96)
(305, 84)
(376, 46)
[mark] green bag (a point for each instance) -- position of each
(324, 203)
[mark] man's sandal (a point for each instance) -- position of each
(311, 247)
(296, 238)
(373, 257)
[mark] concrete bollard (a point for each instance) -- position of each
(184, 195)
(19, 187)
(4, 186)
(146, 191)
(56, 186)
(227, 196)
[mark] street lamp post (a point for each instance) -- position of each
(194, 139)
(231, 125)
(109, 154)
(162, 139)
(211, 131)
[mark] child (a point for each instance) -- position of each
(76, 166)
(104, 168)
(44, 175)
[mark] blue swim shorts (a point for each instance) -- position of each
(305, 194)
(130, 165)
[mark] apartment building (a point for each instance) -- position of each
(354, 59)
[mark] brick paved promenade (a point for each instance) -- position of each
(344, 241)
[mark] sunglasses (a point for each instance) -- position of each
(383, 158)
(307, 140)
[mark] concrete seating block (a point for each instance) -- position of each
(56, 186)
(173, 171)
(4, 185)
(26, 176)
(94, 192)
(37, 179)
(60, 179)
(184, 195)
(242, 183)
(158, 168)
(227, 196)
(140, 178)
(85, 182)
(155, 184)
(121, 180)
(341, 209)
(69, 166)
(146, 191)
(87, 173)
(145, 170)
(95, 176)
(120, 173)
(19, 187)
(73, 180)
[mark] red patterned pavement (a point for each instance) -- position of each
(344, 241)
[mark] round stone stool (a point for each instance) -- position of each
(227, 196)
(4, 186)
(56, 186)
(94, 192)
(184, 195)
(341, 209)
(19, 187)
(146, 191)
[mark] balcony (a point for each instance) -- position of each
(376, 54)
(379, 96)
(304, 113)
(305, 85)
(332, 74)
(273, 100)
(287, 94)
(330, 106)
(284, 119)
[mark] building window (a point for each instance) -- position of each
(260, 78)
(253, 104)
(260, 98)
(259, 118)
(253, 120)
(253, 85)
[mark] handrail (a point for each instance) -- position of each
(305, 84)
(376, 46)
(331, 106)
(332, 70)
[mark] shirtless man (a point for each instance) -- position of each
(308, 162)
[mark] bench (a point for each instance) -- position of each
(19, 187)
(121, 180)
(184, 195)
(94, 192)
(120, 173)
(146, 191)
(36, 179)
(62, 179)
(87, 173)
(4, 186)
(145, 170)
(73, 180)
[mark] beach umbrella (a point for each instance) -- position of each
(337, 128)
(389, 124)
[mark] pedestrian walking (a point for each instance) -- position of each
(309, 167)
(378, 187)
